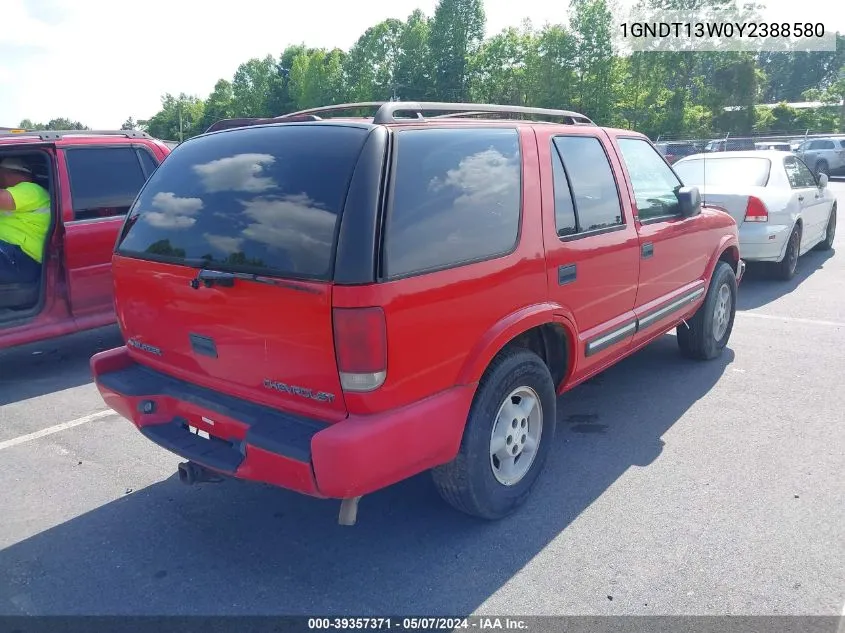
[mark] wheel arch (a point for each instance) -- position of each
(547, 329)
(727, 252)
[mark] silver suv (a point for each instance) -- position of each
(823, 155)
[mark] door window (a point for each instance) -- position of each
(800, 177)
(586, 196)
(103, 180)
(655, 184)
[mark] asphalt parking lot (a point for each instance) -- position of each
(676, 487)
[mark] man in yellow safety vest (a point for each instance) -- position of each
(24, 222)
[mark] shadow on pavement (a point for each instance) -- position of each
(240, 548)
(41, 368)
(759, 287)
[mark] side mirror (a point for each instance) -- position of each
(822, 181)
(689, 201)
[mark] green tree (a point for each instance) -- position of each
(456, 34)
(550, 68)
(252, 85)
(590, 23)
(281, 100)
(316, 78)
(790, 74)
(219, 105)
(179, 118)
(370, 66)
(53, 124)
(499, 70)
(413, 76)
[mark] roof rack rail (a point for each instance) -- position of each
(228, 124)
(340, 107)
(574, 118)
(387, 110)
(54, 135)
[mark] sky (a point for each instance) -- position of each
(101, 61)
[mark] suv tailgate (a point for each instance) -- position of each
(272, 344)
(223, 270)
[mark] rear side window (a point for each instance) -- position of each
(590, 177)
(103, 180)
(264, 200)
(456, 199)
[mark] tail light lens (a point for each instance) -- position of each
(360, 339)
(756, 211)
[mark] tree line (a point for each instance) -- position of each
(445, 57)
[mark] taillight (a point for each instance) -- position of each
(360, 340)
(756, 211)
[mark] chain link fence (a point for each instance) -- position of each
(795, 136)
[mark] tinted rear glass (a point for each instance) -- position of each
(258, 200)
(456, 198)
(753, 172)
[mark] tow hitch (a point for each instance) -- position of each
(191, 473)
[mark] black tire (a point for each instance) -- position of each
(696, 338)
(822, 168)
(785, 268)
(827, 243)
(468, 482)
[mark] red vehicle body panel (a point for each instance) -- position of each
(78, 292)
(443, 329)
(296, 339)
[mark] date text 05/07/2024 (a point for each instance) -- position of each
(479, 623)
(722, 29)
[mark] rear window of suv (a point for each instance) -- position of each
(264, 200)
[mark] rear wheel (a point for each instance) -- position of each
(785, 268)
(509, 431)
(705, 335)
(827, 243)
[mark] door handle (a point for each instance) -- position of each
(800, 198)
(647, 250)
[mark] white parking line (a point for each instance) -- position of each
(786, 319)
(21, 439)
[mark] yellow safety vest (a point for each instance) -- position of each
(28, 224)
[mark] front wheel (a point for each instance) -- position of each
(509, 432)
(705, 335)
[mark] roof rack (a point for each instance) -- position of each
(54, 135)
(387, 110)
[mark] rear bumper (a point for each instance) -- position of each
(350, 458)
(763, 242)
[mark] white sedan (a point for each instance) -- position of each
(781, 208)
